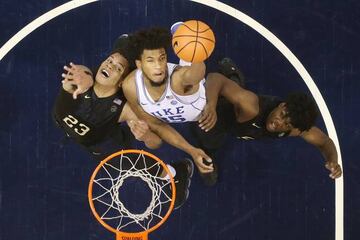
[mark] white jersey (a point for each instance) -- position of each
(171, 107)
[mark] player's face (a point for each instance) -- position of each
(278, 121)
(153, 64)
(112, 70)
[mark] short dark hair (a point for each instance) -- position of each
(123, 46)
(150, 39)
(302, 110)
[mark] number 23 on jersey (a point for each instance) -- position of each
(73, 123)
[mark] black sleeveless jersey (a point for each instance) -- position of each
(256, 127)
(88, 119)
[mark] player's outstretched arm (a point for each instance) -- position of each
(214, 85)
(327, 148)
(164, 130)
(190, 75)
(218, 85)
(139, 128)
(77, 79)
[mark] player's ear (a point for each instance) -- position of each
(138, 64)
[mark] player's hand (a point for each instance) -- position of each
(139, 128)
(202, 161)
(79, 76)
(208, 118)
(334, 168)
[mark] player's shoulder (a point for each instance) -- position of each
(175, 72)
(129, 81)
(313, 132)
(129, 87)
(175, 68)
(172, 66)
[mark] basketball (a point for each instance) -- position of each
(193, 41)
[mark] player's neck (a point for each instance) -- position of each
(155, 92)
(150, 84)
(104, 91)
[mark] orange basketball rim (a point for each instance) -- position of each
(107, 164)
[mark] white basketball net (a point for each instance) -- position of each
(113, 175)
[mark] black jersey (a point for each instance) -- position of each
(227, 124)
(88, 119)
(256, 127)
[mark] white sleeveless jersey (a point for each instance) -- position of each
(171, 107)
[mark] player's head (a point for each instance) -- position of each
(114, 69)
(151, 56)
(298, 111)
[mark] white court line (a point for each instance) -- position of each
(39, 22)
(339, 193)
(339, 190)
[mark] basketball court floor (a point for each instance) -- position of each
(267, 189)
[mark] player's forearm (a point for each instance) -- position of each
(152, 140)
(194, 73)
(213, 89)
(328, 150)
(171, 136)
